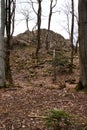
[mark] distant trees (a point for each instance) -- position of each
(83, 43)
(66, 9)
(71, 27)
(38, 14)
(26, 13)
(37, 10)
(25, 9)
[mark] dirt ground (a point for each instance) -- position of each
(23, 106)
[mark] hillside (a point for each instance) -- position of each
(30, 37)
(22, 107)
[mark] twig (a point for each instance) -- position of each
(37, 116)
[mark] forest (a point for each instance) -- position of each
(43, 76)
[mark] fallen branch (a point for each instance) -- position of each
(37, 116)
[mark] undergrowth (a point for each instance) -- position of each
(60, 120)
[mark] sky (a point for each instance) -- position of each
(58, 23)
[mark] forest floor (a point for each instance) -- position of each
(23, 106)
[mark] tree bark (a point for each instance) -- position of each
(49, 22)
(2, 25)
(72, 33)
(38, 30)
(82, 8)
(10, 11)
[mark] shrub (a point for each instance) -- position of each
(61, 60)
(58, 119)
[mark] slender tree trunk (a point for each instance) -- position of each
(83, 43)
(72, 33)
(2, 25)
(39, 31)
(49, 22)
(27, 24)
(54, 66)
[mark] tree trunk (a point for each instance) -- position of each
(2, 23)
(27, 24)
(8, 43)
(71, 38)
(83, 42)
(49, 22)
(39, 25)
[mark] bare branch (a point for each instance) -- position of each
(32, 3)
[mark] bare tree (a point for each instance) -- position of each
(38, 23)
(32, 3)
(66, 9)
(52, 6)
(71, 22)
(10, 14)
(26, 13)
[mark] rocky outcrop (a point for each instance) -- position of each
(28, 37)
